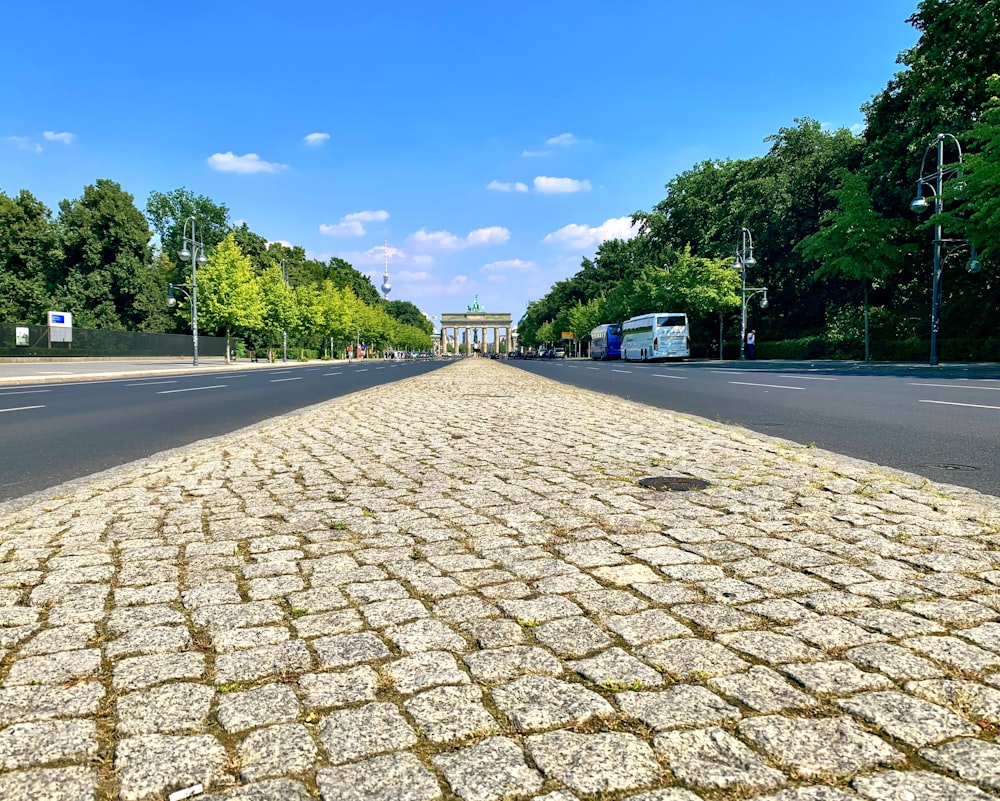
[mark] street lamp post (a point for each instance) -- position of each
(934, 181)
(193, 250)
(284, 333)
(744, 259)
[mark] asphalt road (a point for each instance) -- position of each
(943, 424)
(53, 432)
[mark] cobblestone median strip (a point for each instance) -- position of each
(454, 587)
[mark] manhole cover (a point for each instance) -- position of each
(946, 466)
(673, 483)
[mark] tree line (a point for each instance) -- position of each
(110, 265)
(842, 255)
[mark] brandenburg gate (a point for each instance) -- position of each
(474, 323)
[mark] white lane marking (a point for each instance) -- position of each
(969, 405)
(279, 380)
(807, 378)
(21, 408)
(620, 371)
(25, 392)
(951, 386)
(728, 372)
(593, 368)
(362, 370)
(311, 369)
(380, 368)
(773, 386)
(642, 367)
(150, 383)
(332, 373)
(189, 389)
(678, 377)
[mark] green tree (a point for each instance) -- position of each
(410, 315)
(229, 294)
(29, 258)
(169, 211)
(342, 274)
(855, 241)
(280, 309)
(109, 281)
(977, 217)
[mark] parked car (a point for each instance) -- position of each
(559, 353)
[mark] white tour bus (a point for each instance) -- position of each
(664, 335)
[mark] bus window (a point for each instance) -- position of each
(671, 320)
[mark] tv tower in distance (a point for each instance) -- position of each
(386, 286)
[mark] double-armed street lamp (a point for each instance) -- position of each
(934, 181)
(744, 259)
(193, 250)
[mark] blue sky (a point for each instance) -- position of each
(491, 144)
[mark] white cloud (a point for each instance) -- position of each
(250, 163)
(560, 186)
(353, 224)
(376, 256)
(282, 242)
(65, 137)
(563, 140)
(445, 240)
(315, 139)
(410, 275)
(24, 143)
(342, 229)
(494, 235)
(582, 237)
(508, 186)
(535, 154)
(508, 265)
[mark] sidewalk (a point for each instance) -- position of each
(466, 593)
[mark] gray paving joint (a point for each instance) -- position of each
(467, 594)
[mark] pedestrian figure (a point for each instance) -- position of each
(751, 345)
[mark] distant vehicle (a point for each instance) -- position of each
(559, 353)
(606, 341)
(663, 335)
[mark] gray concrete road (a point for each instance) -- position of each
(468, 593)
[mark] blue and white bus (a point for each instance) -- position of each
(663, 335)
(606, 342)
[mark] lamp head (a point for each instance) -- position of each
(201, 261)
(973, 265)
(171, 300)
(751, 261)
(185, 254)
(763, 302)
(919, 204)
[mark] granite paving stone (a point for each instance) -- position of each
(491, 770)
(52, 784)
(261, 706)
(595, 763)
(535, 703)
(974, 761)
(175, 708)
(816, 748)
(488, 606)
(681, 707)
(371, 729)
(451, 713)
(286, 749)
(392, 777)
(762, 689)
(917, 784)
(25, 745)
(911, 720)
(710, 759)
(20, 703)
(153, 765)
(423, 670)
